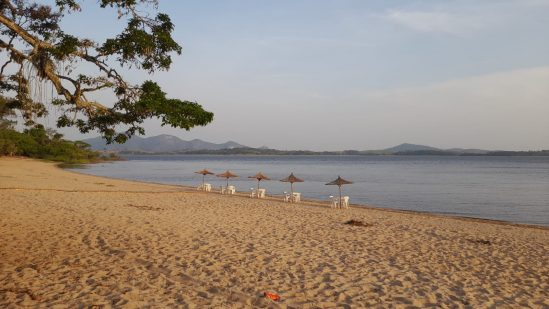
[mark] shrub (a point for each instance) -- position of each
(36, 142)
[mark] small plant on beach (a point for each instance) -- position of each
(357, 223)
(40, 54)
(480, 241)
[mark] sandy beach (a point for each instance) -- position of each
(74, 240)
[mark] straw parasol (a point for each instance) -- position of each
(204, 172)
(291, 179)
(339, 182)
(259, 176)
(227, 175)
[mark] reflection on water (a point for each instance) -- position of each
(512, 189)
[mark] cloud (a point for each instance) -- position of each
(536, 3)
(465, 17)
(528, 84)
(432, 21)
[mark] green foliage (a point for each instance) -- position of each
(148, 50)
(67, 45)
(6, 112)
(36, 142)
(177, 113)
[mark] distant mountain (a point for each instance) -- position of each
(410, 147)
(160, 143)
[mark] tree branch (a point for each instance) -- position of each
(23, 34)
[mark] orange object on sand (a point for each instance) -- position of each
(272, 296)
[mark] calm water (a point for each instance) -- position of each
(514, 189)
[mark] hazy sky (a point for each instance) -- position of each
(333, 75)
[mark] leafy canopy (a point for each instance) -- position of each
(36, 48)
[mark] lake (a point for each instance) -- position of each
(514, 189)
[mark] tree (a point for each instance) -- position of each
(35, 45)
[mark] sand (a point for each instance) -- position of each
(73, 240)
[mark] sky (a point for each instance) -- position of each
(336, 75)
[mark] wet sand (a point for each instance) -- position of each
(71, 240)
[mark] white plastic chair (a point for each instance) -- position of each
(207, 187)
(334, 202)
(286, 197)
(223, 190)
(297, 197)
(252, 193)
(261, 193)
(231, 190)
(345, 202)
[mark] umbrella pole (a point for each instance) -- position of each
(258, 187)
(227, 181)
(203, 181)
(292, 191)
(340, 205)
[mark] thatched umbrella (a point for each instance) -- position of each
(291, 179)
(227, 175)
(259, 176)
(339, 182)
(204, 172)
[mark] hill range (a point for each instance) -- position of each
(159, 144)
(169, 144)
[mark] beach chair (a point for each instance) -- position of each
(223, 190)
(252, 193)
(333, 202)
(261, 193)
(231, 190)
(345, 202)
(207, 187)
(296, 197)
(286, 197)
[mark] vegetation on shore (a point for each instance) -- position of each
(275, 152)
(489, 153)
(38, 142)
(265, 151)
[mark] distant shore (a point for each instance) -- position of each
(275, 152)
(79, 240)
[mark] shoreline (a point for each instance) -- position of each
(314, 202)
